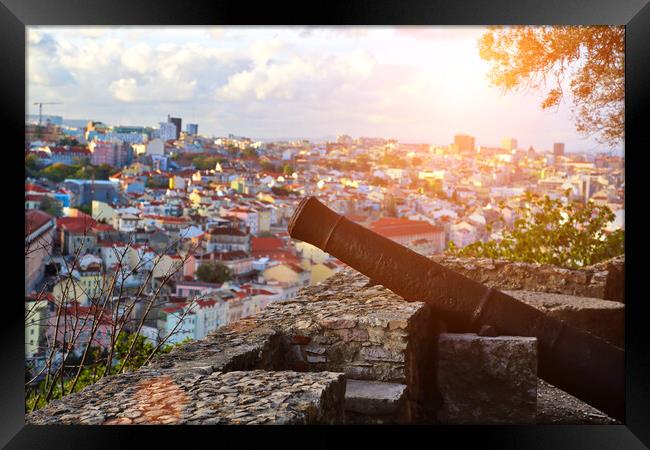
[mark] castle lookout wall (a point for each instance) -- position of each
(343, 351)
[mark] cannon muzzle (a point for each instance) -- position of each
(573, 360)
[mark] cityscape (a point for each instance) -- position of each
(168, 232)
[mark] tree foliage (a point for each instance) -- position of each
(32, 166)
(550, 232)
(281, 191)
(157, 183)
(58, 172)
(249, 152)
(86, 209)
(268, 167)
(590, 58)
(204, 162)
(51, 206)
(213, 272)
(67, 140)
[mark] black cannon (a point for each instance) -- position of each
(576, 361)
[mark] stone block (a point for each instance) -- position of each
(379, 353)
(373, 398)
(603, 318)
(487, 380)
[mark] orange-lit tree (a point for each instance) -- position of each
(590, 60)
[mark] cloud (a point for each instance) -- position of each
(137, 58)
(124, 89)
(43, 66)
(131, 90)
(305, 77)
(273, 81)
(262, 51)
(415, 82)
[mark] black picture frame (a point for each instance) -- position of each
(15, 15)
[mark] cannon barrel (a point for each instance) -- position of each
(578, 362)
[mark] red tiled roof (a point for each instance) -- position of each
(103, 227)
(102, 243)
(34, 188)
(262, 244)
(34, 219)
(76, 224)
(263, 292)
(40, 296)
(394, 227)
(225, 256)
(88, 313)
(225, 231)
(279, 255)
(206, 303)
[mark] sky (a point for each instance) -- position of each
(415, 84)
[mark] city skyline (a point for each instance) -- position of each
(271, 82)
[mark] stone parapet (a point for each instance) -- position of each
(340, 329)
(602, 318)
(291, 362)
(243, 345)
(168, 397)
(487, 380)
(604, 280)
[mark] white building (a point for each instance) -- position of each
(170, 328)
(156, 146)
(209, 315)
(462, 234)
(167, 131)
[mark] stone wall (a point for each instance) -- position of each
(343, 351)
(365, 332)
(328, 333)
(604, 280)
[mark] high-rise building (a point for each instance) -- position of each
(124, 154)
(509, 143)
(102, 153)
(558, 149)
(178, 122)
(167, 131)
(464, 143)
(192, 129)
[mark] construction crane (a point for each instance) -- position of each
(40, 109)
